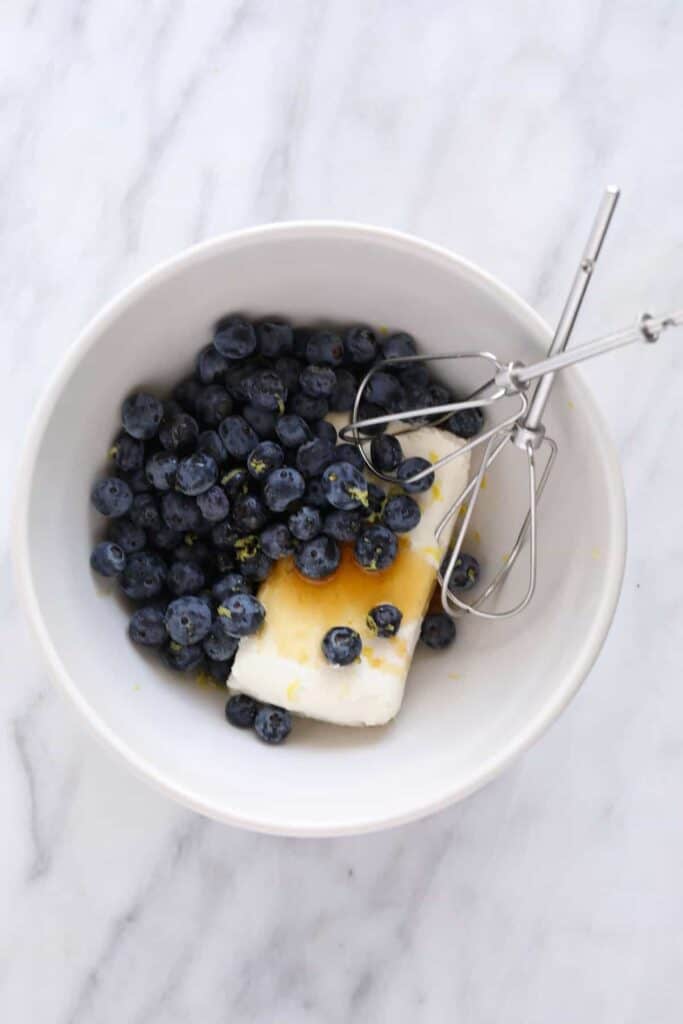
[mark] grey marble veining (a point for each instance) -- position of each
(132, 130)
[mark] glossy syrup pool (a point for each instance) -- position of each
(299, 611)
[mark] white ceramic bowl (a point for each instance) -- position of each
(467, 713)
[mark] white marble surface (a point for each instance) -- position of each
(130, 130)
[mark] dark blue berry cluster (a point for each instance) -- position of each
(239, 468)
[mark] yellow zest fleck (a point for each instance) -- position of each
(476, 537)
(454, 676)
(463, 509)
(113, 451)
(224, 612)
(174, 646)
(437, 492)
(484, 482)
(431, 551)
(292, 689)
(136, 688)
(204, 679)
(570, 404)
(596, 554)
(382, 329)
(371, 658)
(506, 558)
(399, 645)
(190, 538)
(433, 457)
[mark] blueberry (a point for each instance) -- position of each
(292, 430)
(241, 710)
(235, 482)
(213, 405)
(219, 671)
(345, 486)
(266, 390)
(179, 433)
(234, 337)
(283, 487)
(307, 407)
(184, 578)
(438, 394)
(360, 345)
(144, 575)
(255, 564)
(127, 535)
(161, 469)
(376, 547)
(262, 420)
(180, 512)
(401, 513)
(342, 525)
(349, 453)
(171, 408)
(196, 473)
(128, 453)
(386, 453)
(370, 411)
(147, 627)
(264, 458)
(164, 538)
(219, 644)
(182, 657)
(399, 346)
(384, 620)
(210, 366)
(344, 394)
(231, 583)
(288, 370)
(318, 381)
(376, 501)
(318, 558)
(342, 645)
(465, 423)
(145, 512)
(141, 415)
(138, 482)
(465, 572)
(415, 379)
(275, 338)
(272, 724)
(385, 390)
(248, 513)
(306, 523)
(438, 630)
(186, 394)
(188, 619)
(237, 436)
(302, 336)
(242, 613)
(224, 561)
(314, 456)
(107, 558)
(236, 380)
(209, 442)
(408, 468)
(214, 504)
(112, 496)
(193, 550)
(276, 541)
(325, 431)
(325, 347)
(224, 535)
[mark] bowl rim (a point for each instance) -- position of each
(415, 808)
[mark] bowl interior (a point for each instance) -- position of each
(466, 712)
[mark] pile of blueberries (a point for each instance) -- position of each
(240, 468)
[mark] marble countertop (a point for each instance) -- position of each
(130, 131)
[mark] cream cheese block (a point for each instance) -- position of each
(283, 664)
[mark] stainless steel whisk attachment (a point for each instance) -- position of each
(522, 427)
